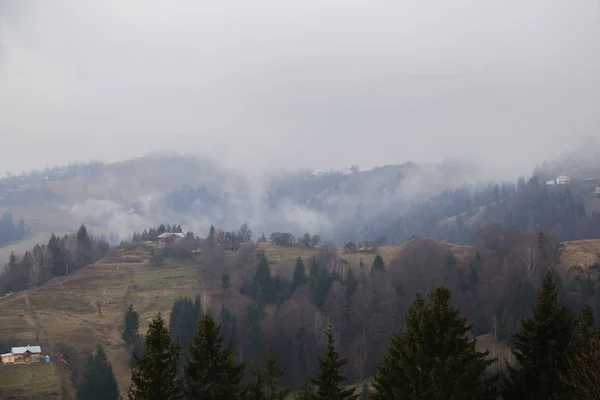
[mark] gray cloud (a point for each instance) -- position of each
(298, 84)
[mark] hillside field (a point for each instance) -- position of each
(70, 316)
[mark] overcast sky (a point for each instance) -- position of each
(323, 83)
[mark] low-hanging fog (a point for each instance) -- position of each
(319, 84)
(468, 90)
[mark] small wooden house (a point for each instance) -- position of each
(350, 248)
(27, 354)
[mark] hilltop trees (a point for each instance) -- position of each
(541, 346)
(156, 375)
(98, 382)
(60, 256)
(211, 371)
(434, 358)
(131, 325)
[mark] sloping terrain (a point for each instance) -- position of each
(70, 316)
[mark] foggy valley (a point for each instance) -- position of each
(310, 200)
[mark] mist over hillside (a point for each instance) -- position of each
(446, 201)
(129, 196)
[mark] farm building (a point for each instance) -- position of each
(350, 248)
(169, 237)
(22, 355)
(563, 180)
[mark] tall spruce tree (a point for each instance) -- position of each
(541, 347)
(273, 376)
(329, 380)
(98, 382)
(156, 375)
(299, 276)
(211, 371)
(131, 325)
(434, 358)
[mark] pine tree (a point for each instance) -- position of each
(378, 264)
(98, 382)
(273, 376)
(434, 358)
(211, 371)
(84, 246)
(262, 284)
(541, 346)
(329, 379)
(255, 389)
(299, 276)
(156, 375)
(306, 392)
(131, 325)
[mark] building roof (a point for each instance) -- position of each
(23, 350)
(6, 355)
(169, 234)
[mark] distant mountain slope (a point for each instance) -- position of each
(127, 196)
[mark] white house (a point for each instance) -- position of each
(597, 191)
(563, 180)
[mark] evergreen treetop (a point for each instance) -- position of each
(131, 324)
(156, 375)
(434, 358)
(211, 371)
(329, 380)
(98, 381)
(541, 346)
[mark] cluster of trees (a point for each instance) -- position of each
(287, 239)
(11, 232)
(243, 234)
(61, 256)
(494, 284)
(210, 370)
(433, 357)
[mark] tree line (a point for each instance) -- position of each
(527, 205)
(433, 357)
(60, 256)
